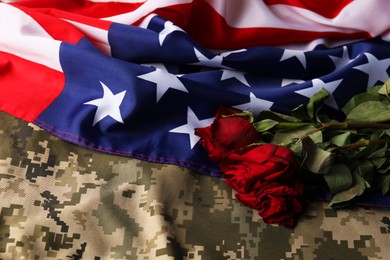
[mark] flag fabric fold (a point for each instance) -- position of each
(136, 79)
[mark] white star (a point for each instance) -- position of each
(215, 62)
(376, 69)
(343, 61)
(255, 105)
(163, 79)
(227, 53)
(108, 105)
(192, 123)
(169, 27)
(300, 55)
(228, 74)
(286, 82)
(317, 86)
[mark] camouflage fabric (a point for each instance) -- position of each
(60, 201)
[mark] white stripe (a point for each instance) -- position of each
(145, 22)
(145, 9)
(119, 1)
(24, 37)
(360, 15)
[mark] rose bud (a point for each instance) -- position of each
(227, 133)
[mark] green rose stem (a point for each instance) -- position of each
(341, 125)
(333, 125)
(362, 143)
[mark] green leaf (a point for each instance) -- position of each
(341, 139)
(317, 160)
(384, 169)
(316, 137)
(380, 153)
(370, 111)
(297, 149)
(363, 152)
(385, 185)
(378, 157)
(378, 162)
(374, 89)
(315, 102)
(264, 125)
(339, 178)
(287, 136)
(277, 117)
(385, 88)
(378, 134)
(300, 112)
(290, 135)
(357, 189)
(370, 95)
(366, 170)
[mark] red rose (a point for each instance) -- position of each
(244, 167)
(226, 133)
(277, 202)
(263, 175)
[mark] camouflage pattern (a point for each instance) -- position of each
(60, 201)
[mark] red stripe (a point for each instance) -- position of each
(326, 8)
(210, 29)
(82, 7)
(198, 19)
(91, 21)
(27, 88)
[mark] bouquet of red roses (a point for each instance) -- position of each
(263, 159)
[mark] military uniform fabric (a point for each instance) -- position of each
(62, 201)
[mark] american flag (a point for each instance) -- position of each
(136, 78)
